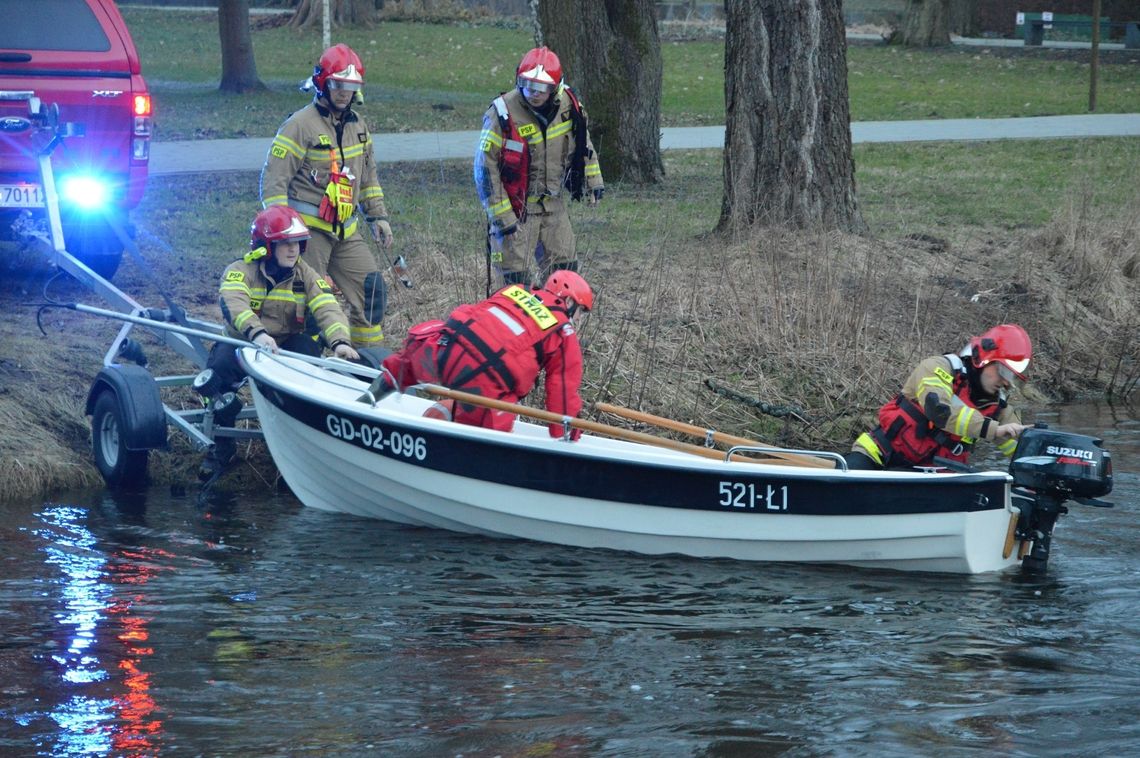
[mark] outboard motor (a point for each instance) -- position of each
(1048, 468)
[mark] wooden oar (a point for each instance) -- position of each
(579, 423)
(793, 459)
(1010, 536)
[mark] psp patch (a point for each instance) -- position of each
(235, 276)
(278, 151)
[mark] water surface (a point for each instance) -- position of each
(149, 625)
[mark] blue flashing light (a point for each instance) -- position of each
(87, 192)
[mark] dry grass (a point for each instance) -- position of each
(830, 324)
(1089, 271)
(827, 324)
(41, 457)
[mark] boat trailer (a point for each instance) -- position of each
(128, 415)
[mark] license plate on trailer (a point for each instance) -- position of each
(21, 196)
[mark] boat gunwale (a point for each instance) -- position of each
(559, 457)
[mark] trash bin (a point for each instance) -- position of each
(1034, 32)
(1132, 35)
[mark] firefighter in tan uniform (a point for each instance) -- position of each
(321, 164)
(948, 403)
(534, 155)
(267, 297)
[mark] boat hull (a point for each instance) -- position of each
(389, 462)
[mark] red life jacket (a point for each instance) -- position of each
(502, 341)
(906, 429)
(514, 160)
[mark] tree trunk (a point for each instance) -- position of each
(239, 69)
(532, 6)
(964, 17)
(341, 13)
(787, 151)
(926, 24)
(611, 56)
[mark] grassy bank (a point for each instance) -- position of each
(963, 235)
(1045, 233)
(438, 77)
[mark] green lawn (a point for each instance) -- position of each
(428, 77)
(434, 76)
(952, 190)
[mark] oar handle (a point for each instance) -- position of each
(721, 437)
(576, 423)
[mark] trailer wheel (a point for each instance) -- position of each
(119, 466)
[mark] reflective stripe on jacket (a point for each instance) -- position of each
(551, 147)
(296, 170)
(252, 302)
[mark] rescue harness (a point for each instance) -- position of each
(514, 158)
(909, 430)
(536, 321)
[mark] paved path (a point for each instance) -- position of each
(197, 156)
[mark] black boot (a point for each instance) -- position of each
(380, 387)
(225, 409)
(218, 459)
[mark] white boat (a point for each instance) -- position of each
(386, 460)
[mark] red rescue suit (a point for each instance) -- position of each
(496, 348)
(906, 430)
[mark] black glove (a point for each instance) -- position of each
(508, 231)
(598, 194)
(935, 410)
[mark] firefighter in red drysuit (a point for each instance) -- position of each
(948, 403)
(535, 155)
(322, 164)
(496, 348)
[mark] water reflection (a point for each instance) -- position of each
(98, 592)
(259, 627)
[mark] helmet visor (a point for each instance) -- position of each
(1011, 370)
(530, 86)
(341, 84)
(295, 232)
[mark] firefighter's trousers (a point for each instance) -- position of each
(547, 222)
(348, 263)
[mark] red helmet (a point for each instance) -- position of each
(341, 65)
(1008, 344)
(566, 284)
(539, 67)
(277, 223)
